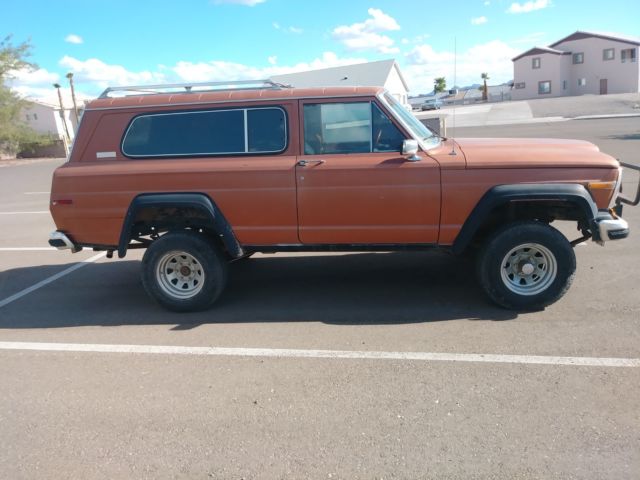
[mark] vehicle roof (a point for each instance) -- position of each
(228, 96)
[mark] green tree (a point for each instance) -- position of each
(485, 94)
(14, 132)
(439, 85)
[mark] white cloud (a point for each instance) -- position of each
(38, 84)
(73, 38)
(415, 40)
(103, 75)
(50, 95)
(479, 20)
(295, 30)
(529, 6)
(25, 76)
(487, 3)
(91, 76)
(367, 35)
(425, 64)
(248, 3)
(219, 70)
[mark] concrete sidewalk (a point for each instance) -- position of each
(539, 110)
(506, 113)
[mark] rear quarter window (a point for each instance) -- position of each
(206, 133)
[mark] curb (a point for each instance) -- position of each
(613, 115)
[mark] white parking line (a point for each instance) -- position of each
(37, 193)
(27, 249)
(340, 354)
(25, 213)
(52, 278)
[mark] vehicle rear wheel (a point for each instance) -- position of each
(183, 271)
(526, 266)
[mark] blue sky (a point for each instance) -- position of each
(119, 42)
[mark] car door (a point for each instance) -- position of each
(354, 186)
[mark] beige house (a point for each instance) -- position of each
(582, 63)
(45, 118)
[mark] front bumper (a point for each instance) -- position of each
(610, 224)
(611, 228)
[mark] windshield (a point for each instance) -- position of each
(419, 130)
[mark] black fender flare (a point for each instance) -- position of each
(571, 193)
(199, 201)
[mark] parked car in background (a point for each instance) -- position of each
(431, 104)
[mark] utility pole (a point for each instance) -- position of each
(73, 97)
(64, 122)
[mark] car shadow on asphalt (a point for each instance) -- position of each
(350, 289)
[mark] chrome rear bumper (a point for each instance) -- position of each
(62, 242)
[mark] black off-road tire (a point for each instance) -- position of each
(199, 276)
(517, 290)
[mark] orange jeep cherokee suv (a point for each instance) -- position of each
(204, 174)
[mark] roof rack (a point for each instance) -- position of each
(197, 87)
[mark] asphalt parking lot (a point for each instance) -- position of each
(364, 365)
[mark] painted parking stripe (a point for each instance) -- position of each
(27, 249)
(38, 212)
(333, 354)
(37, 193)
(50, 279)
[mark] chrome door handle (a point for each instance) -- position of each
(304, 163)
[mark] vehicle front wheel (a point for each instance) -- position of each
(184, 271)
(526, 266)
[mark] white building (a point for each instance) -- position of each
(45, 118)
(384, 73)
(581, 63)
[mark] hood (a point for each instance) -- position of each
(532, 152)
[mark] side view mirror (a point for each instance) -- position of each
(410, 148)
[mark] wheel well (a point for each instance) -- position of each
(151, 222)
(545, 211)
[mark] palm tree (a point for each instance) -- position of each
(439, 85)
(62, 119)
(73, 96)
(485, 77)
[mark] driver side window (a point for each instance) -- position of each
(358, 127)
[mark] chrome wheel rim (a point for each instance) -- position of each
(180, 275)
(529, 269)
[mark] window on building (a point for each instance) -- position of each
(578, 58)
(35, 116)
(582, 82)
(564, 85)
(544, 87)
(628, 55)
(207, 133)
(608, 54)
(28, 117)
(520, 85)
(349, 128)
(535, 62)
